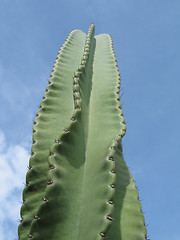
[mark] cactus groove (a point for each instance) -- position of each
(78, 185)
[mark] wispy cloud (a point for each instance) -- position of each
(13, 163)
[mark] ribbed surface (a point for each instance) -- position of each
(53, 116)
(79, 179)
(129, 221)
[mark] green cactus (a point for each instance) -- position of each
(78, 186)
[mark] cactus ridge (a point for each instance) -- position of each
(75, 117)
(87, 188)
(42, 140)
(129, 221)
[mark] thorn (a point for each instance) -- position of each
(20, 220)
(51, 167)
(102, 234)
(66, 130)
(49, 182)
(121, 94)
(110, 218)
(113, 148)
(111, 158)
(45, 199)
(142, 212)
(73, 119)
(29, 168)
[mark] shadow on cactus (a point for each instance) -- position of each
(78, 186)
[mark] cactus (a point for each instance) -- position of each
(78, 186)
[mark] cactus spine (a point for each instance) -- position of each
(78, 185)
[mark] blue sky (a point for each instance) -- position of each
(146, 38)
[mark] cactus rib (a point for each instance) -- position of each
(46, 126)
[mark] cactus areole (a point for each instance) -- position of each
(78, 186)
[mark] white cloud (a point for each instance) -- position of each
(13, 167)
(2, 142)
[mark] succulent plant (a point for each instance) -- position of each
(78, 186)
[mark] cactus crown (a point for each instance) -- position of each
(78, 185)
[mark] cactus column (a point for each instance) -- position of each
(78, 185)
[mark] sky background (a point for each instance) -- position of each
(146, 36)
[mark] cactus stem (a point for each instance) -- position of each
(79, 75)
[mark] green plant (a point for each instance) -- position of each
(78, 186)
